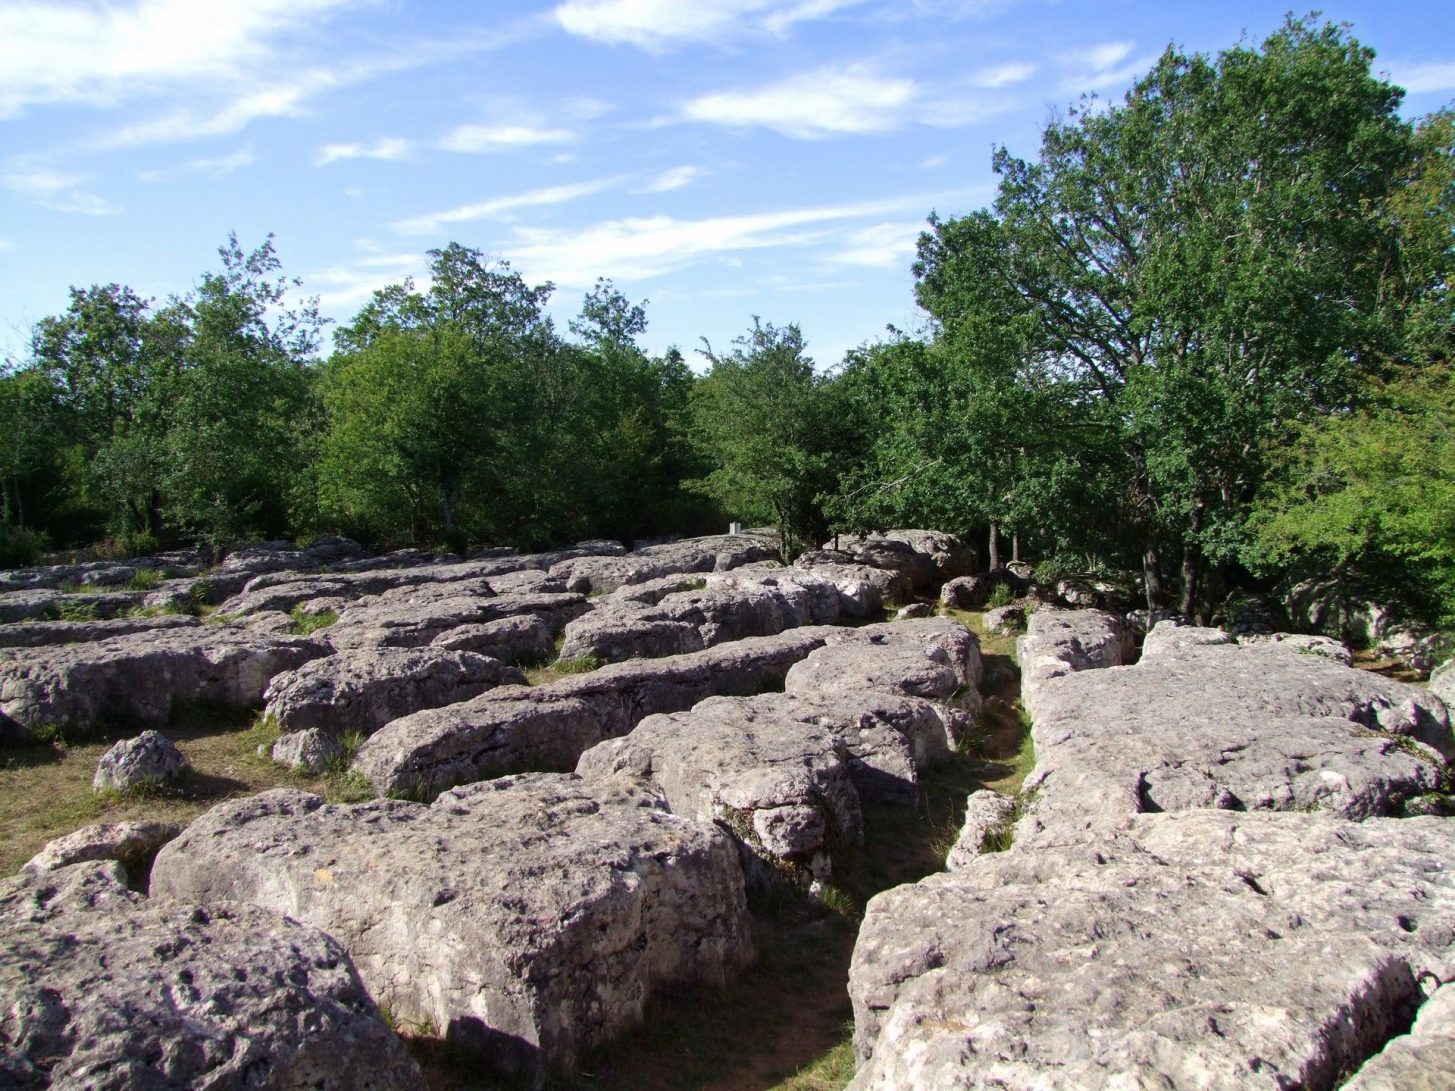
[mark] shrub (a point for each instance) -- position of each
(146, 579)
(1000, 595)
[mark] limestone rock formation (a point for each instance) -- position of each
(105, 989)
(1205, 948)
(362, 690)
(132, 844)
(527, 918)
(142, 676)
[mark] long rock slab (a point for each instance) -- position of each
(141, 677)
(527, 919)
(104, 989)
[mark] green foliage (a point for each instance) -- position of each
(145, 579)
(762, 415)
(308, 624)
(1000, 595)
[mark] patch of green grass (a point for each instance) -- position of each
(830, 1072)
(695, 584)
(77, 611)
(307, 624)
(145, 579)
(561, 668)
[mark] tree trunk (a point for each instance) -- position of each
(1192, 566)
(994, 546)
(1152, 577)
(1015, 545)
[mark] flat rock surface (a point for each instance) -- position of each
(1223, 726)
(140, 677)
(527, 918)
(716, 553)
(1059, 642)
(414, 620)
(362, 690)
(104, 989)
(515, 729)
(1202, 949)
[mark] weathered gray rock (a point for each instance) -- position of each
(310, 751)
(717, 553)
(614, 636)
(914, 611)
(1325, 646)
(863, 590)
(363, 689)
(39, 634)
(1421, 1060)
(105, 989)
(987, 814)
(131, 844)
(966, 592)
(1007, 620)
(1170, 638)
(399, 623)
(141, 677)
(522, 639)
(781, 786)
(515, 729)
(943, 639)
(723, 608)
(150, 759)
(1442, 682)
(284, 596)
(528, 918)
(1223, 726)
(1202, 949)
(1416, 646)
(926, 558)
(1059, 642)
(33, 604)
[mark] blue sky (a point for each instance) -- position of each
(720, 158)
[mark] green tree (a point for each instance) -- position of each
(1199, 264)
(760, 417)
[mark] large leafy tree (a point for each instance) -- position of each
(1195, 266)
(763, 419)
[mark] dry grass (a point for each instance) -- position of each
(47, 792)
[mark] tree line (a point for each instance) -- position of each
(1204, 335)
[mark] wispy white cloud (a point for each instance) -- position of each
(350, 283)
(1003, 75)
(934, 161)
(495, 138)
(661, 24)
(1105, 55)
(102, 55)
(1103, 66)
(1424, 77)
(676, 178)
(879, 246)
(220, 165)
(56, 190)
(497, 207)
(641, 247)
(389, 148)
(828, 101)
(6, 244)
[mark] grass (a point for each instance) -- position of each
(145, 579)
(307, 624)
(562, 668)
(47, 786)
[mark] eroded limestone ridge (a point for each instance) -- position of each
(1191, 899)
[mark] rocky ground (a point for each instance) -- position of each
(613, 819)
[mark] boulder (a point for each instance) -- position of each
(863, 590)
(926, 558)
(131, 844)
(614, 636)
(284, 596)
(1325, 646)
(1201, 949)
(143, 676)
(914, 611)
(105, 989)
(363, 689)
(1170, 638)
(966, 592)
(33, 604)
(781, 786)
(1006, 620)
(522, 639)
(312, 751)
(528, 918)
(515, 729)
(1262, 727)
(149, 760)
